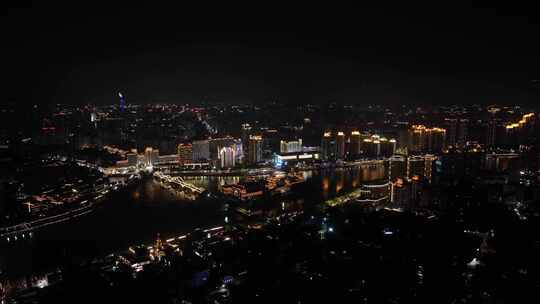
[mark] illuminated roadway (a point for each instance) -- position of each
(20, 230)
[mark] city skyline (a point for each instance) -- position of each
(172, 154)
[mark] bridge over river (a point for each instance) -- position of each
(179, 182)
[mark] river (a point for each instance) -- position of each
(136, 214)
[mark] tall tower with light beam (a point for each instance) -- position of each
(122, 102)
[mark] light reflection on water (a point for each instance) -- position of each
(212, 183)
(340, 181)
(137, 214)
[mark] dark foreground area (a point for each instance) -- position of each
(340, 255)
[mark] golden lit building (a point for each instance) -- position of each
(519, 132)
(424, 139)
(356, 139)
(185, 153)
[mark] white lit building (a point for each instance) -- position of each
(291, 146)
(227, 157)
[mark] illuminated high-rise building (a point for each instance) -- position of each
(328, 146)
(227, 157)
(290, 146)
(457, 131)
(201, 150)
(369, 147)
(122, 105)
(416, 166)
(185, 153)
(416, 189)
(255, 149)
(429, 162)
(244, 136)
(340, 143)
(417, 138)
(421, 166)
(520, 132)
(245, 132)
(436, 140)
(151, 156)
(271, 140)
(400, 193)
(397, 167)
(355, 146)
(424, 139)
(387, 147)
(148, 156)
(215, 145)
(378, 146)
(526, 120)
(238, 151)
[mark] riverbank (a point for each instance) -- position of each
(135, 215)
(25, 229)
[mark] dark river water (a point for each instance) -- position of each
(136, 214)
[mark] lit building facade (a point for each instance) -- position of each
(355, 148)
(520, 132)
(292, 146)
(286, 158)
(421, 166)
(255, 149)
(424, 139)
(201, 150)
(227, 157)
(397, 167)
(328, 147)
(400, 193)
(151, 156)
(378, 146)
(378, 193)
(185, 153)
(340, 144)
(416, 166)
(244, 136)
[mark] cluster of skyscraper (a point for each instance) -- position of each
(406, 173)
(225, 152)
(337, 145)
(510, 134)
(423, 139)
(456, 131)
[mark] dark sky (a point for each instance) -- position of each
(173, 53)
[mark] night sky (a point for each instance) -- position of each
(165, 53)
